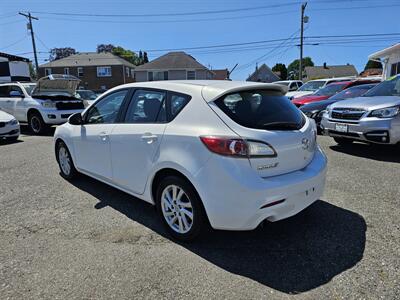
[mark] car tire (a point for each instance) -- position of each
(36, 124)
(65, 162)
(343, 141)
(180, 208)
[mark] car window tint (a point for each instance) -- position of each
(261, 109)
(14, 88)
(4, 91)
(178, 102)
(147, 107)
(106, 110)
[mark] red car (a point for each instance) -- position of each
(328, 91)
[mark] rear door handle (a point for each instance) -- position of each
(149, 138)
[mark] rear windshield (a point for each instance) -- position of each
(261, 109)
(311, 86)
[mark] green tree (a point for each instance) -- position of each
(32, 71)
(145, 58)
(293, 68)
(281, 68)
(371, 64)
(58, 53)
(128, 55)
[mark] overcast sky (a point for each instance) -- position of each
(191, 26)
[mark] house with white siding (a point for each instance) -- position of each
(390, 59)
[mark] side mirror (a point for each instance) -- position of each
(16, 94)
(75, 119)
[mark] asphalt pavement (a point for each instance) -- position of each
(86, 240)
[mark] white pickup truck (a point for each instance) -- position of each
(48, 102)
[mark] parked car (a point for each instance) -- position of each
(9, 127)
(292, 85)
(87, 96)
(229, 153)
(312, 86)
(315, 110)
(373, 117)
(50, 102)
(329, 91)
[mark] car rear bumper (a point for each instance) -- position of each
(56, 117)
(374, 130)
(238, 199)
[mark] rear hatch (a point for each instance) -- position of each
(266, 117)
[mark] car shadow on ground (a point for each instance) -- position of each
(26, 131)
(4, 142)
(292, 256)
(387, 153)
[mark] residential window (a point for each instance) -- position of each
(103, 71)
(127, 71)
(132, 73)
(191, 75)
(47, 71)
(66, 71)
(80, 72)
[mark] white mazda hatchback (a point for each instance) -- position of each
(225, 153)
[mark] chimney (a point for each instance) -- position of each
(325, 67)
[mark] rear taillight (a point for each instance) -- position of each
(237, 147)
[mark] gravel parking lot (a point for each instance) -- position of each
(86, 240)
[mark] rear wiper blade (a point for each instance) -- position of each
(280, 125)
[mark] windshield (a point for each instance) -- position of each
(87, 95)
(353, 92)
(329, 90)
(311, 86)
(390, 87)
(29, 88)
(261, 109)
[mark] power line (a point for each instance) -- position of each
(274, 40)
(170, 21)
(168, 14)
(14, 43)
(218, 11)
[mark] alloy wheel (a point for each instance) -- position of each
(64, 160)
(177, 209)
(36, 124)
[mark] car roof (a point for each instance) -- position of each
(210, 89)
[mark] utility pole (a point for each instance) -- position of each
(303, 20)
(30, 27)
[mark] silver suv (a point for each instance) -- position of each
(373, 117)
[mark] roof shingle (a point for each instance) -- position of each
(172, 61)
(89, 59)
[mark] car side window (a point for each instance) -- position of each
(106, 110)
(147, 106)
(178, 102)
(14, 88)
(4, 91)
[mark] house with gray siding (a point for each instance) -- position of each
(172, 66)
(263, 74)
